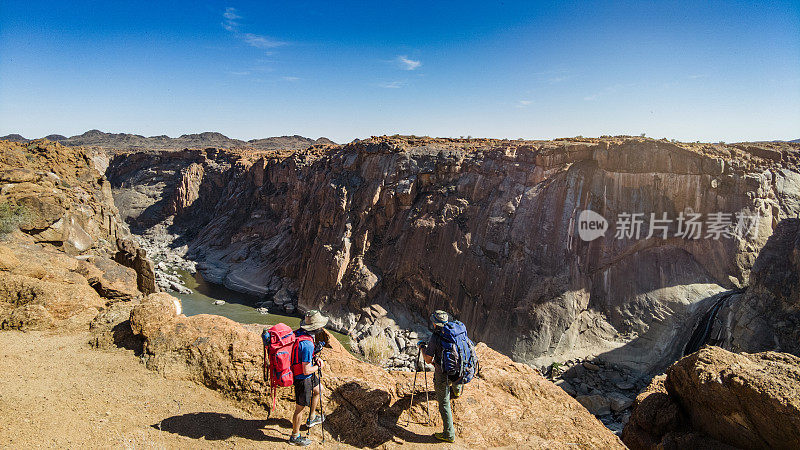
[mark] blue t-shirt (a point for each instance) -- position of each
(305, 350)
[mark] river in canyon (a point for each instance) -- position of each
(239, 307)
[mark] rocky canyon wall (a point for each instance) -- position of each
(486, 229)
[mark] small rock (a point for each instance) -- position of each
(596, 404)
(619, 402)
(624, 385)
(219, 302)
(591, 366)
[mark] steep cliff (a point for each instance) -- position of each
(487, 229)
(765, 316)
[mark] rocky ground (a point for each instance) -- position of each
(606, 389)
(57, 392)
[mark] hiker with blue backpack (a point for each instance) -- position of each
(455, 364)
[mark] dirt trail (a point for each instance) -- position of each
(57, 392)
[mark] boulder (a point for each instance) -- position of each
(619, 402)
(745, 400)
(41, 287)
(718, 399)
(130, 255)
(112, 328)
(110, 279)
(596, 404)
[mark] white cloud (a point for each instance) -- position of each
(259, 41)
(408, 64)
(523, 103)
(229, 22)
(392, 84)
(290, 78)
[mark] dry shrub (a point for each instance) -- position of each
(375, 349)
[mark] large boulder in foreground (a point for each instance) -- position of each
(715, 399)
(509, 404)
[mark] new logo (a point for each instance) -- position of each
(591, 225)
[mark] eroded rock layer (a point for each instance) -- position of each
(483, 228)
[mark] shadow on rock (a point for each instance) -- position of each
(366, 417)
(216, 426)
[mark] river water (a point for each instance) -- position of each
(239, 307)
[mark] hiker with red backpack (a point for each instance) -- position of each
(293, 359)
(455, 364)
(306, 367)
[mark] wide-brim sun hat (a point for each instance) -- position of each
(313, 321)
(439, 317)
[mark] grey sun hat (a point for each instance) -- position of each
(313, 321)
(439, 317)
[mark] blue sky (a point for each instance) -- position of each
(708, 71)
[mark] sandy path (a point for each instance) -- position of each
(57, 392)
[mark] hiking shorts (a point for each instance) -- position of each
(303, 390)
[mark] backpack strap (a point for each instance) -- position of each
(296, 353)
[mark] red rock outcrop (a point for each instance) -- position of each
(59, 235)
(718, 399)
(41, 287)
(509, 404)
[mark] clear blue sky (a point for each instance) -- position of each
(709, 71)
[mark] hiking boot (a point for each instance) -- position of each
(316, 420)
(299, 440)
(442, 437)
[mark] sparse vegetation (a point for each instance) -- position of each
(375, 349)
(556, 369)
(11, 216)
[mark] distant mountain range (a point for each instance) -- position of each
(126, 141)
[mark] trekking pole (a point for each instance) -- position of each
(427, 409)
(321, 407)
(413, 389)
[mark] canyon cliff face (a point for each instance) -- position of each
(486, 229)
(765, 316)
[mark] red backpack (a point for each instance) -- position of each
(279, 343)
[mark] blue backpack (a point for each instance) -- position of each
(459, 361)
